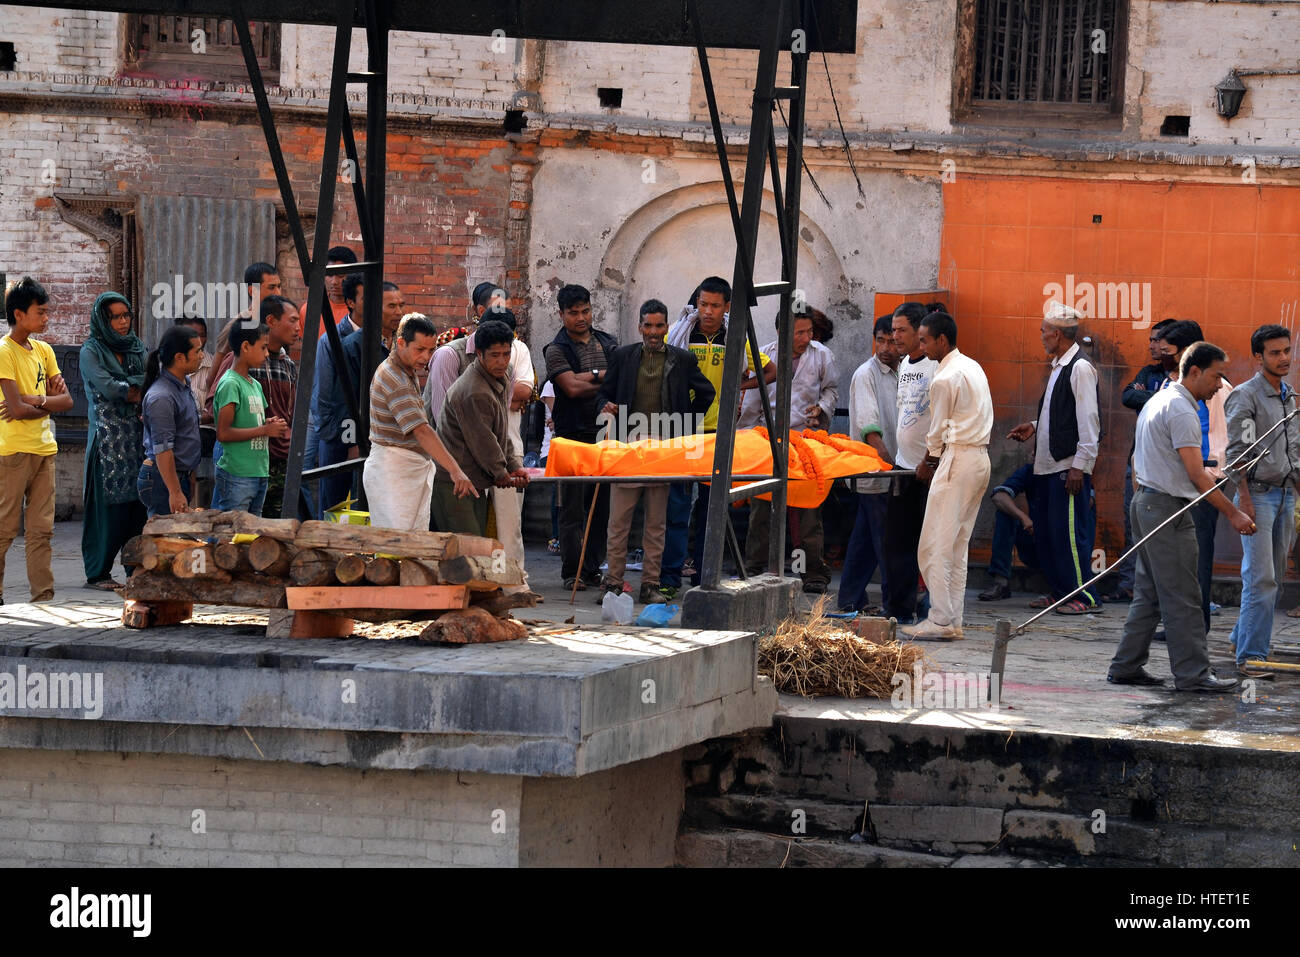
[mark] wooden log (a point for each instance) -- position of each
(280, 529)
(270, 556)
(350, 569)
(499, 602)
(382, 571)
(313, 566)
(232, 558)
(321, 598)
(142, 614)
(306, 624)
(387, 541)
(412, 573)
(156, 553)
(133, 551)
(201, 523)
(152, 587)
(481, 574)
(198, 562)
(472, 626)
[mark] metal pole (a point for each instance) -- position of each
(742, 290)
(1020, 629)
(321, 241)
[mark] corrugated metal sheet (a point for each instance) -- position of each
(202, 240)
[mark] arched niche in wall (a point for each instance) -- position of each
(667, 246)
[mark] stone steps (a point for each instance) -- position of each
(857, 793)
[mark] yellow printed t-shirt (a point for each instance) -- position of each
(32, 372)
(709, 352)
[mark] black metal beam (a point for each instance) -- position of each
(728, 23)
(316, 302)
(774, 20)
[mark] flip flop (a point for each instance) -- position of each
(1294, 612)
(1076, 606)
(1043, 601)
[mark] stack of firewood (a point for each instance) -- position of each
(193, 557)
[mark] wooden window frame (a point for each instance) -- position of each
(1034, 114)
(223, 63)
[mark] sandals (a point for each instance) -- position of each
(1077, 606)
(106, 584)
(1043, 601)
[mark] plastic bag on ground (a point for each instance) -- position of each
(657, 616)
(616, 608)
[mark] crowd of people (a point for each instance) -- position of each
(452, 422)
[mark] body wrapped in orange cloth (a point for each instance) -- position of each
(816, 459)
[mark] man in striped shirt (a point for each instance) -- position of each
(399, 471)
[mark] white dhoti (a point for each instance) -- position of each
(399, 487)
(956, 490)
(508, 506)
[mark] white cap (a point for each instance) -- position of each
(1059, 314)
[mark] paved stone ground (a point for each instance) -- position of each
(1055, 675)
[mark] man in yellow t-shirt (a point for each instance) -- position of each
(32, 389)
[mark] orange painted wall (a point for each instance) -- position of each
(1227, 256)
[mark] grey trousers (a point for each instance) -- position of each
(1166, 584)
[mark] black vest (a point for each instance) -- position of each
(576, 418)
(1063, 432)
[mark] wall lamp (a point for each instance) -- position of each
(1230, 91)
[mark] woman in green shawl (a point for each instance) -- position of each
(112, 369)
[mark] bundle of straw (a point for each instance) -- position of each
(816, 656)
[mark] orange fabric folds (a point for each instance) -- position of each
(816, 459)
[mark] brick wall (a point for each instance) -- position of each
(85, 808)
(446, 226)
(77, 41)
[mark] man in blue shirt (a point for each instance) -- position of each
(329, 421)
(172, 446)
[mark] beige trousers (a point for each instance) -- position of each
(622, 505)
(956, 490)
(25, 475)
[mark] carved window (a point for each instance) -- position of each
(203, 48)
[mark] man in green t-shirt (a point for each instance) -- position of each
(243, 429)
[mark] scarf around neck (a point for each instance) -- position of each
(108, 345)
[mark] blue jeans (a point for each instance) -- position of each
(1263, 563)
(337, 487)
(153, 490)
(310, 459)
(1009, 534)
(866, 550)
(239, 493)
(676, 534)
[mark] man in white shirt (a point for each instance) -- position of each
(873, 418)
(1068, 431)
(957, 466)
(812, 404)
(906, 511)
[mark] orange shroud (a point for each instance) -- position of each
(816, 459)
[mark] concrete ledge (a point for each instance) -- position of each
(756, 604)
(561, 704)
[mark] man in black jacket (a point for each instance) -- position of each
(576, 360)
(651, 391)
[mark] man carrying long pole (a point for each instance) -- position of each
(1170, 474)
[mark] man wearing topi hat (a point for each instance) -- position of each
(1067, 433)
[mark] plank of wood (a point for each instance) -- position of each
(270, 557)
(151, 614)
(382, 571)
(280, 529)
(479, 573)
(231, 557)
(414, 573)
(152, 587)
(472, 626)
(376, 596)
(307, 624)
(370, 540)
(201, 523)
(312, 566)
(350, 569)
